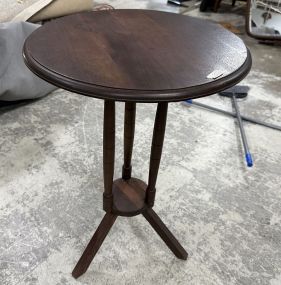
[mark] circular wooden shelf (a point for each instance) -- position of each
(128, 197)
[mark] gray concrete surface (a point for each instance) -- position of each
(227, 216)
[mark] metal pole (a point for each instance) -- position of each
(242, 131)
(245, 118)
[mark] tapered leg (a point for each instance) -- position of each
(94, 245)
(108, 153)
(165, 234)
(129, 131)
(156, 151)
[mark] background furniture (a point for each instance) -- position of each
(263, 20)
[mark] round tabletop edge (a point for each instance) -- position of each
(109, 93)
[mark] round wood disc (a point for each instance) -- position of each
(128, 197)
(137, 55)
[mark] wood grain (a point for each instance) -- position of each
(136, 55)
(129, 132)
(156, 150)
(128, 197)
(94, 245)
(165, 234)
(108, 153)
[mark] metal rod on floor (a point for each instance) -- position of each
(245, 118)
(248, 155)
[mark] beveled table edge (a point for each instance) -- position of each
(134, 95)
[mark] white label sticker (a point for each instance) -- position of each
(215, 74)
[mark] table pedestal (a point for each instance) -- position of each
(129, 196)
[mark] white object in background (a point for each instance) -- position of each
(48, 9)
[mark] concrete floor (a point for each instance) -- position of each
(226, 215)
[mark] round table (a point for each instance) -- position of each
(135, 56)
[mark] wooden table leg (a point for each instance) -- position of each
(108, 171)
(94, 245)
(129, 131)
(155, 158)
(108, 153)
(165, 234)
(156, 150)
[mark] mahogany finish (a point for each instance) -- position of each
(165, 234)
(108, 153)
(129, 132)
(128, 197)
(94, 245)
(156, 151)
(134, 56)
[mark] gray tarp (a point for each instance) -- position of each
(17, 82)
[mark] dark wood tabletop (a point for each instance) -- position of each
(137, 55)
